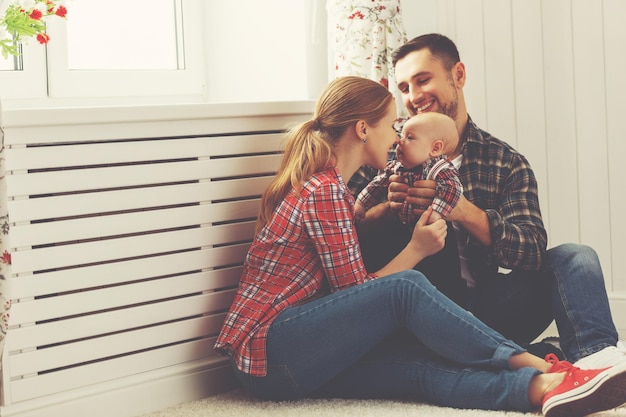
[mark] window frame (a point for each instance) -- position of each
(45, 81)
(189, 81)
(30, 81)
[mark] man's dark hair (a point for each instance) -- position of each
(440, 46)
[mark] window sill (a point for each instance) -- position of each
(32, 114)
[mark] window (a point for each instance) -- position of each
(24, 76)
(116, 57)
(148, 26)
(164, 51)
(11, 63)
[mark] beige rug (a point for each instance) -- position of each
(235, 403)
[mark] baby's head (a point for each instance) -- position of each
(425, 136)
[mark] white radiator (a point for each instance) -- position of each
(127, 248)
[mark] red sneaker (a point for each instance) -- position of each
(557, 365)
(584, 392)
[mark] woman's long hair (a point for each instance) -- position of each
(309, 147)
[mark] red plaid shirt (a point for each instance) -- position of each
(309, 248)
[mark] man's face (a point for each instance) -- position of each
(426, 85)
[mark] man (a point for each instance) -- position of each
(497, 223)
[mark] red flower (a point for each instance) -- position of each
(35, 14)
(6, 257)
(356, 15)
(43, 38)
(384, 81)
(61, 11)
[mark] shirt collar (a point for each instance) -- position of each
(471, 134)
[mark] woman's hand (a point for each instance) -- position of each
(428, 239)
(420, 194)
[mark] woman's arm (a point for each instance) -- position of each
(329, 222)
(426, 240)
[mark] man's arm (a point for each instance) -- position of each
(512, 230)
(473, 219)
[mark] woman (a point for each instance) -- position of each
(308, 320)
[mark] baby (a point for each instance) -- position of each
(421, 154)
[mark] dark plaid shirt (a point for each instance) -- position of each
(499, 180)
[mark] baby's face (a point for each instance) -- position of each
(414, 146)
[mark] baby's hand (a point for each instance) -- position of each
(359, 212)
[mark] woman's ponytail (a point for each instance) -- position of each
(305, 154)
(309, 147)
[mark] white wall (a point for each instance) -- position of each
(545, 76)
(261, 55)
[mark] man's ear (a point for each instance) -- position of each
(458, 72)
(436, 149)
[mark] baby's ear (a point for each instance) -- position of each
(436, 149)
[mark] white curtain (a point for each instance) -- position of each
(5, 254)
(362, 36)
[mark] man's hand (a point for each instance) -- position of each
(359, 212)
(420, 194)
(374, 218)
(470, 217)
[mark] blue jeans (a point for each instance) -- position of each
(569, 289)
(346, 345)
(579, 300)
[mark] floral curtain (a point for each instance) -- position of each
(363, 34)
(5, 255)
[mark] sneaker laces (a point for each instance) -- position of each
(557, 365)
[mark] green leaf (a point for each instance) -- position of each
(8, 47)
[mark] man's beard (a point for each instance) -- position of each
(452, 108)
